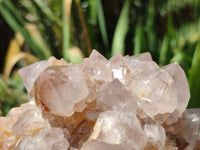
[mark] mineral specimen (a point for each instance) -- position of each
(124, 103)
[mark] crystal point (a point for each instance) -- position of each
(119, 67)
(116, 97)
(96, 56)
(156, 91)
(182, 89)
(30, 73)
(60, 88)
(117, 130)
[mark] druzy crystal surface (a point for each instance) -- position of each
(124, 103)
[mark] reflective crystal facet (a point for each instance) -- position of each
(182, 90)
(116, 97)
(30, 73)
(156, 91)
(117, 130)
(60, 88)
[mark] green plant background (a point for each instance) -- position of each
(169, 30)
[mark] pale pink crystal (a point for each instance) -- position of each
(124, 103)
(30, 73)
(141, 63)
(24, 124)
(119, 67)
(60, 88)
(115, 96)
(155, 134)
(46, 139)
(96, 71)
(185, 131)
(156, 91)
(96, 56)
(29, 130)
(190, 127)
(182, 90)
(95, 67)
(52, 61)
(115, 129)
(8, 139)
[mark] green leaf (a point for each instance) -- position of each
(66, 9)
(194, 80)
(102, 24)
(163, 51)
(138, 38)
(121, 30)
(150, 27)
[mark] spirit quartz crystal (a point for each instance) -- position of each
(124, 103)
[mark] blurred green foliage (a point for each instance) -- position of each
(169, 30)
(12, 93)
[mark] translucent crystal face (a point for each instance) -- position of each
(115, 96)
(124, 103)
(60, 88)
(31, 73)
(156, 92)
(119, 128)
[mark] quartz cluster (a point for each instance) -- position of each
(124, 103)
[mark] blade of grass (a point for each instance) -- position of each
(170, 26)
(84, 27)
(66, 9)
(14, 47)
(13, 10)
(194, 80)
(92, 4)
(163, 51)
(48, 23)
(178, 56)
(37, 39)
(150, 27)
(196, 8)
(137, 40)
(121, 30)
(102, 24)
